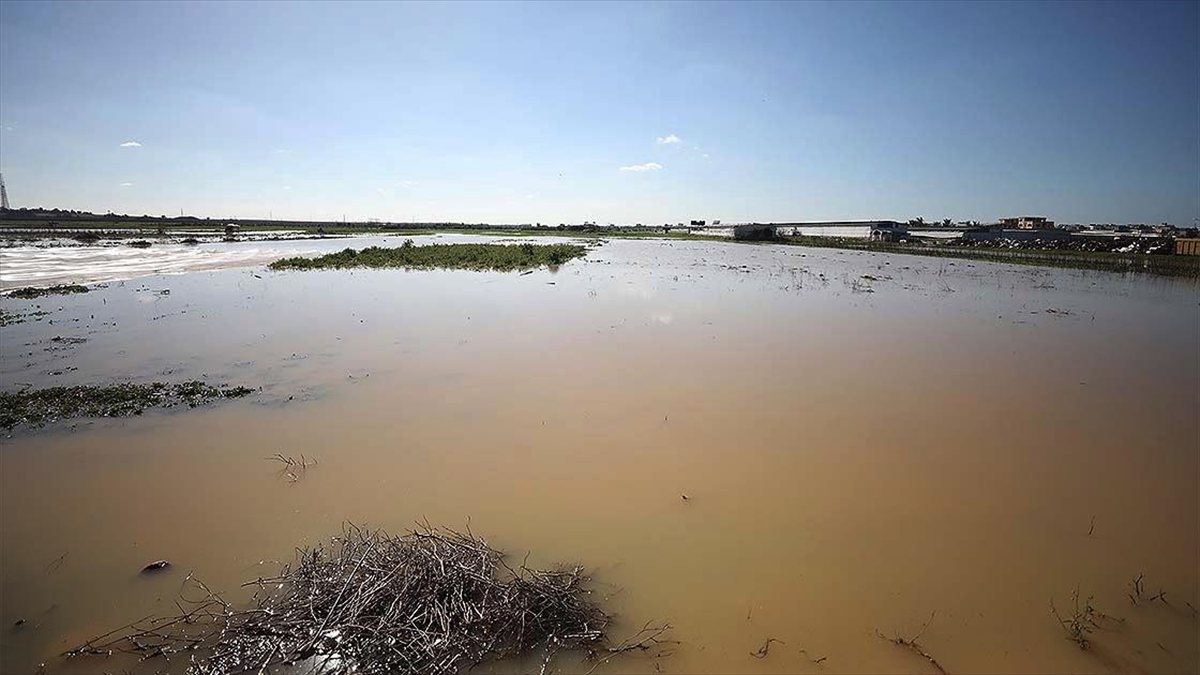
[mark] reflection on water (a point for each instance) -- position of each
(45, 266)
(857, 452)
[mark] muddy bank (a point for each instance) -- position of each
(33, 292)
(37, 407)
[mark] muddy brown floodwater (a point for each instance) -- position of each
(857, 453)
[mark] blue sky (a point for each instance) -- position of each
(1084, 112)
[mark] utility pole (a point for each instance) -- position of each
(3, 194)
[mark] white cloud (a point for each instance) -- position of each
(131, 144)
(669, 140)
(287, 187)
(406, 183)
(126, 184)
(648, 166)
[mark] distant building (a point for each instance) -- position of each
(1027, 223)
(888, 231)
(1026, 234)
(1187, 247)
(754, 232)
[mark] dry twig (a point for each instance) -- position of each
(766, 647)
(912, 645)
(430, 601)
(293, 469)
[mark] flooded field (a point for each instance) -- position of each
(863, 440)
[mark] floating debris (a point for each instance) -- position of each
(762, 651)
(430, 601)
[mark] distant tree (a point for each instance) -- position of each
(946, 222)
(917, 221)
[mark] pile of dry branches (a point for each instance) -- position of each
(430, 601)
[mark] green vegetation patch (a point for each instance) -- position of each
(8, 318)
(499, 257)
(31, 293)
(36, 407)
